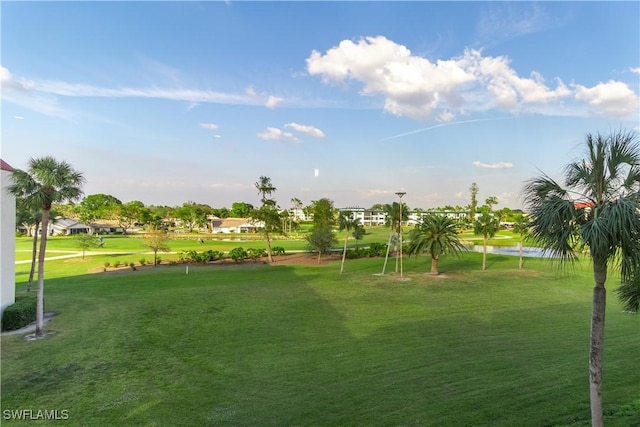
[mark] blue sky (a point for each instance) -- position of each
(168, 102)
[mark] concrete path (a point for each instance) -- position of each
(76, 254)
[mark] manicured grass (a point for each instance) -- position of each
(304, 345)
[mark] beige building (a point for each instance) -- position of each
(7, 239)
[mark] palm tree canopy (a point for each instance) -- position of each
(521, 225)
(45, 182)
(437, 235)
(347, 222)
(598, 206)
(487, 224)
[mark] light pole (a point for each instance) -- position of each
(400, 194)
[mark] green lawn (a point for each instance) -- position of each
(282, 345)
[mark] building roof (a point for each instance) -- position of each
(5, 166)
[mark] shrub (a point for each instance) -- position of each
(377, 249)
(158, 260)
(142, 261)
(19, 314)
(256, 254)
(238, 254)
(277, 250)
(116, 263)
(133, 266)
(107, 265)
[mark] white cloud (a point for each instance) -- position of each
(416, 87)
(635, 70)
(251, 92)
(18, 117)
(209, 126)
(277, 135)
(446, 116)
(500, 165)
(273, 101)
(609, 99)
(306, 129)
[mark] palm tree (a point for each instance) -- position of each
(521, 228)
(487, 225)
(346, 222)
(598, 209)
(45, 182)
(437, 235)
(268, 211)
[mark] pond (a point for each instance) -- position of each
(513, 250)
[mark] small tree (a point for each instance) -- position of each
(267, 213)
(521, 228)
(346, 222)
(84, 241)
(156, 240)
(321, 239)
(486, 225)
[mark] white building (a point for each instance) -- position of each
(234, 225)
(7, 239)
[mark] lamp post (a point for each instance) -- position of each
(400, 194)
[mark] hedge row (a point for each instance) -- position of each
(19, 314)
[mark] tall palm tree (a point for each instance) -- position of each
(487, 225)
(268, 211)
(521, 228)
(597, 208)
(45, 182)
(31, 217)
(348, 223)
(437, 235)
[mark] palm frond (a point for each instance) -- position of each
(629, 293)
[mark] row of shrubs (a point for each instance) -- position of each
(19, 314)
(238, 254)
(142, 262)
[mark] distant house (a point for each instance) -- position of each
(233, 225)
(105, 227)
(66, 227)
(7, 238)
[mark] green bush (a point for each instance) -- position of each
(256, 254)
(277, 250)
(19, 314)
(107, 264)
(238, 254)
(133, 266)
(142, 261)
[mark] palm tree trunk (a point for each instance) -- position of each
(269, 257)
(384, 267)
(434, 265)
(33, 257)
(597, 342)
(484, 253)
(40, 293)
(520, 261)
(344, 251)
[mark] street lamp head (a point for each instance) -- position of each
(401, 193)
